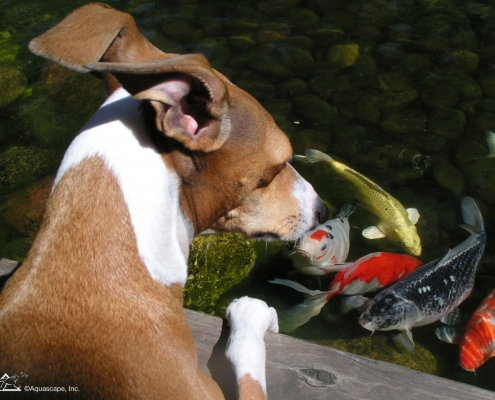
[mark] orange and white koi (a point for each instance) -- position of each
(369, 273)
(325, 248)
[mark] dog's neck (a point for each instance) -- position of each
(151, 190)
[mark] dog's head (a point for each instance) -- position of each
(229, 154)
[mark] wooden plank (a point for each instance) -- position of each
(7, 266)
(297, 369)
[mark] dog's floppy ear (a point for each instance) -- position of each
(190, 98)
(92, 33)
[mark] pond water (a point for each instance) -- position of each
(402, 91)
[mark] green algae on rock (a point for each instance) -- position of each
(216, 263)
(343, 55)
(12, 84)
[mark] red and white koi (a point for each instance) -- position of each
(325, 248)
(477, 341)
(369, 273)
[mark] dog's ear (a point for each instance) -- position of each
(94, 32)
(190, 98)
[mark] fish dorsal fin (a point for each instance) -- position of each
(299, 287)
(316, 156)
(372, 232)
(405, 339)
(413, 215)
(351, 268)
(452, 318)
(490, 139)
(460, 248)
(358, 303)
(471, 215)
(450, 334)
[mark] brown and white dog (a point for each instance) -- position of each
(175, 150)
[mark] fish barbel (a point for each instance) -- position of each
(433, 290)
(369, 273)
(394, 221)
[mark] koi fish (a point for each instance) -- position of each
(325, 248)
(393, 220)
(477, 345)
(369, 273)
(433, 290)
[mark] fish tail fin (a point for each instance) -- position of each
(292, 318)
(471, 215)
(315, 155)
(300, 158)
(346, 210)
(490, 139)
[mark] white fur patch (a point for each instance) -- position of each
(116, 134)
(249, 320)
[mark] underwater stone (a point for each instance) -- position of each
(242, 42)
(391, 53)
(349, 139)
(292, 87)
(17, 250)
(487, 83)
(179, 29)
(21, 164)
(478, 171)
(324, 34)
(460, 61)
(371, 159)
(259, 90)
(465, 85)
(24, 210)
(426, 142)
(365, 65)
(393, 101)
(478, 124)
(465, 39)
(446, 174)
(269, 35)
(358, 105)
(398, 32)
(276, 7)
(310, 139)
(395, 81)
(270, 67)
(325, 84)
(343, 55)
(241, 18)
(316, 112)
(302, 42)
(398, 154)
(12, 84)
(301, 19)
(215, 49)
(407, 121)
(417, 62)
(216, 263)
(8, 49)
(447, 122)
(441, 95)
(405, 174)
(278, 106)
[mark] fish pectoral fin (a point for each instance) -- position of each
(358, 303)
(300, 158)
(468, 228)
(413, 215)
(449, 334)
(452, 318)
(490, 139)
(404, 338)
(372, 232)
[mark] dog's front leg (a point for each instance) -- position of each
(249, 320)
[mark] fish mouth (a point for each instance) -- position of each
(366, 323)
(304, 253)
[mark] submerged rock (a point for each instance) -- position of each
(216, 263)
(446, 174)
(24, 210)
(317, 112)
(343, 55)
(447, 122)
(12, 84)
(17, 250)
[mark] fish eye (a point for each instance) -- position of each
(323, 247)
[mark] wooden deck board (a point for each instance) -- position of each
(297, 369)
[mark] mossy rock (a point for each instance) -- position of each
(12, 84)
(17, 250)
(460, 61)
(326, 84)
(242, 42)
(356, 104)
(215, 49)
(23, 164)
(292, 87)
(446, 174)
(301, 19)
(441, 95)
(310, 139)
(8, 49)
(343, 55)
(408, 121)
(317, 112)
(465, 85)
(447, 122)
(24, 210)
(216, 263)
(487, 83)
(393, 101)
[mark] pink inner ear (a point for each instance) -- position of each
(190, 124)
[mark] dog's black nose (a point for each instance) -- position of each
(321, 211)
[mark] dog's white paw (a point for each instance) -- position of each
(253, 314)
